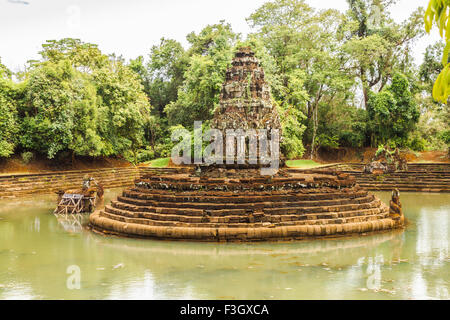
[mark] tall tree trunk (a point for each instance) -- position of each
(366, 96)
(315, 123)
(309, 115)
(315, 116)
(365, 86)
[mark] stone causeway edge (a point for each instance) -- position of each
(26, 184)
(420, 177)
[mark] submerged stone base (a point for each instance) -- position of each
(291, 206)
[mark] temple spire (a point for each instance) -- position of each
(245, 101)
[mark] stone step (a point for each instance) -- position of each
(242, 198)
(215, 210)
(406, 185)
(225, 218)
(405, 177)
(281, 195)
(393, 186)
(411, 189)
(185, 221)
(238, 234)
(405, 181)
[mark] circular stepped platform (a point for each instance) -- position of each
(290, 206)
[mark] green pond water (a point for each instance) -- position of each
(39, 253)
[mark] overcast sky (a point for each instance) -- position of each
(130, 27)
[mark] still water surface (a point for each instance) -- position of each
(36, 251)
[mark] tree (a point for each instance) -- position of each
(59, 111)
(5, 73)
(292, 142)
(166, 68)
(8, 113)
(393, 113)
(307, 52)
(377, 46)
(59, 108)
(431, 66)
(344, 123)
(79, 100)
(85, 57)
(435, 115)
(433, 123)
(124, 109)
(210, 54)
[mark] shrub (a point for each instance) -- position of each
(27, 157)
(326, 141)
(417, 144)
(445, 136)
(145, 155)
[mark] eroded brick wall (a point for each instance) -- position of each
(420, 177)
(18, 185)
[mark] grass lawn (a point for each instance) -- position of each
(159, 163)
(304, 164)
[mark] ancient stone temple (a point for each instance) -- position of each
(237, 203)
(245, 101)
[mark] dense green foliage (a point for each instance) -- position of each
(209, 56)
(78, 101)
(9, 126)
(392, 113)
(337, 79)
(438, 13)
(435, 116)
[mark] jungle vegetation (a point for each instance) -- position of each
(338, 80)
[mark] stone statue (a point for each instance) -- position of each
(386, 161)
(395, 207)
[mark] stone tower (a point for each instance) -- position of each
(245, 101)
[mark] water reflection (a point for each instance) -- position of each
(36, 249)
(73, 223)
(19, 291)
(432, 245)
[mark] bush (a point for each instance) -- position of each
(326, 141)
(417, 144)
(9, 126)
(445, 136)
(145, 155)
(163, 150)
(27, 157)
(354, 139)
(6, 149)
(387, 152)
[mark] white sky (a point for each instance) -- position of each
(130, 27)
